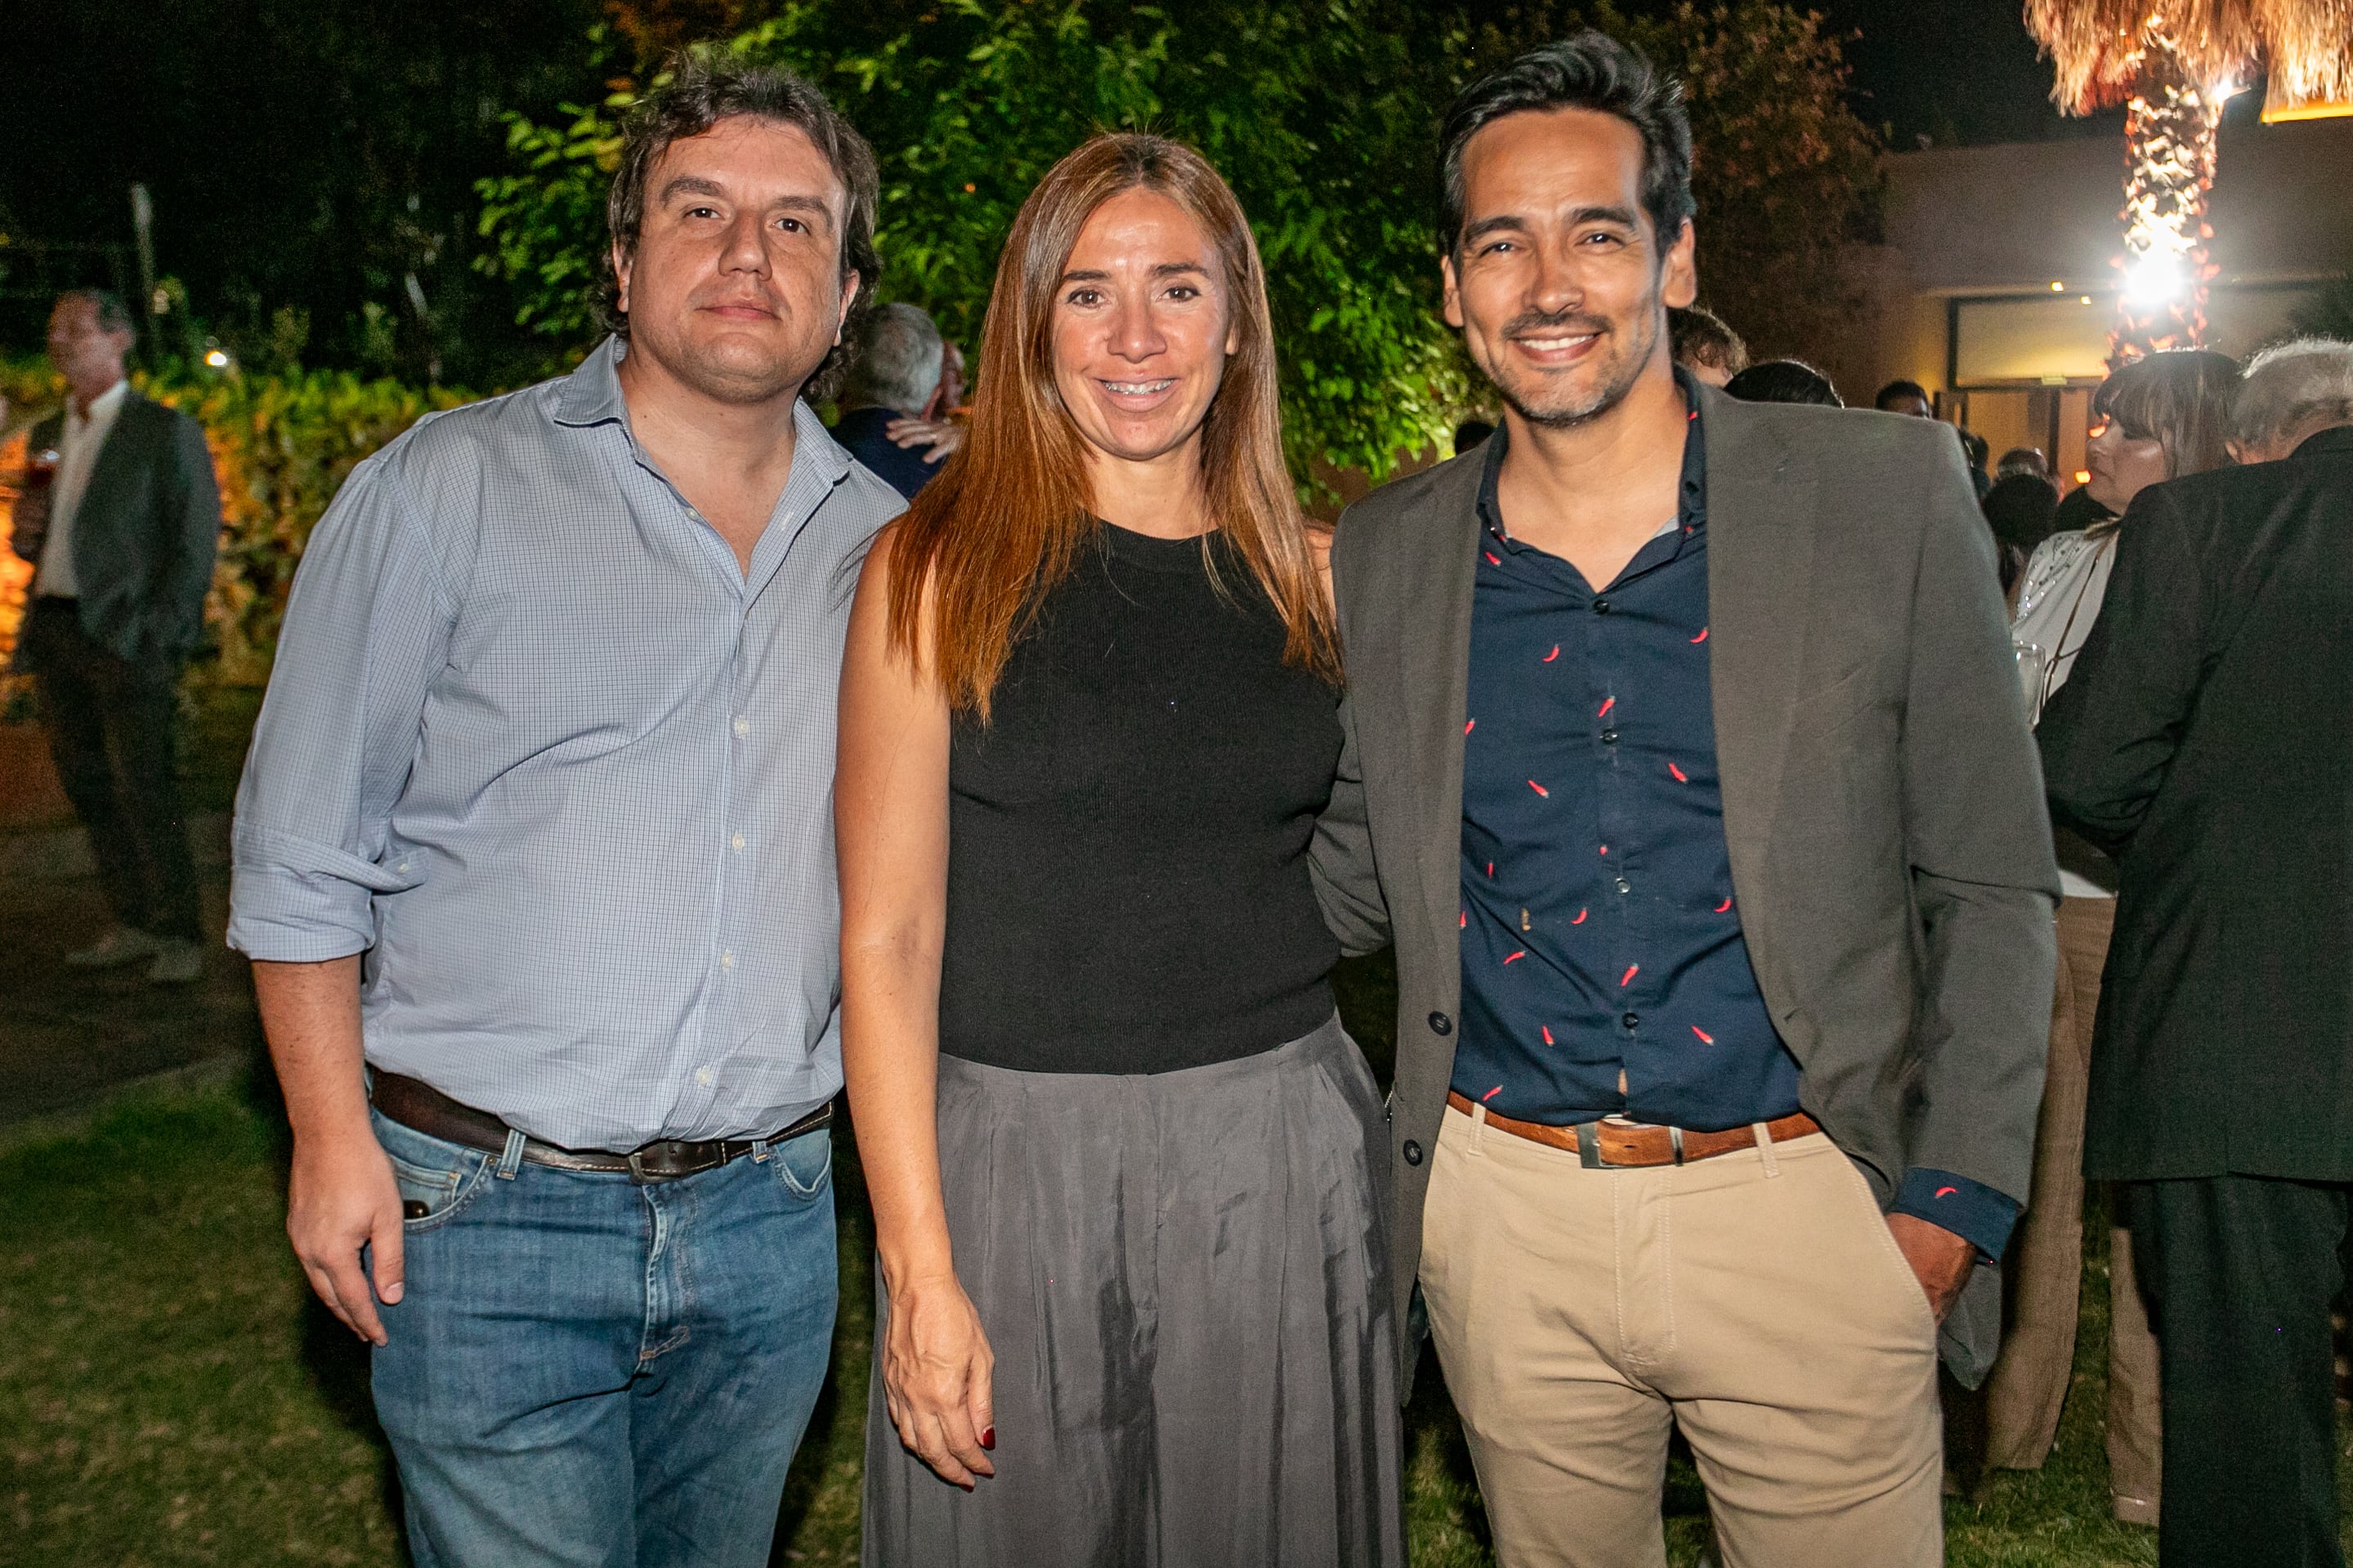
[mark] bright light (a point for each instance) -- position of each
(2057, 287)
(2083, 476)
(218, 360)
(2155, 277)
(2085, 301)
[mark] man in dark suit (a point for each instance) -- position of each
(1687, 770)
(2205, 739)
(121, 524)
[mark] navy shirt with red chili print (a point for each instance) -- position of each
(1601, 930)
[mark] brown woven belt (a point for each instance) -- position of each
(421, 1108)
(1609, 1143)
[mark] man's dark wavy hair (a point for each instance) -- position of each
(705, 86)
(1586, 70)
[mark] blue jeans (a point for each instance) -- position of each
(585, 1373)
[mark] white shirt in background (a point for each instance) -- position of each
(77, 447)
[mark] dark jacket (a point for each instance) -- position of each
(1881, 799)
(2205, 737)
(860, 431)
(145, 535)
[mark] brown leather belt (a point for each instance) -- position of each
(1625, 1144)
(421, 1108)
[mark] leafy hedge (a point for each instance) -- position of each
(281, 446)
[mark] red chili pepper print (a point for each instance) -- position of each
(1492, 559)
(1469, 725)
(1550, 657)
(1725, 905)
(1540, 789)
(1517, 956)
(1607, 705)
(1677, 773)
(1628, 978)
(1580, 917)
(1946, 1191)
(1704, 1038)
(1701, 637)
(1546, 1033)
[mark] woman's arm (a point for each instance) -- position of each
(890, 821)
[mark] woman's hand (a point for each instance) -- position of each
(937, 1366)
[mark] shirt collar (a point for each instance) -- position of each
(102, 406)
(591, 395)
(1691, 492)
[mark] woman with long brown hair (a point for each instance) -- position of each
(1126, 1168)
(2155, 419)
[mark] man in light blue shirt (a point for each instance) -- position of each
(537, 825)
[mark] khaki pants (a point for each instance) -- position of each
(2045, 1261)
(1755, 1300)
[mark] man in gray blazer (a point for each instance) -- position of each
(1687, 770)
(121, 522)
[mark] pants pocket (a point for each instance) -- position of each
(435, 1178)
(804, 1166)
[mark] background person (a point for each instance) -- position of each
(122, 529)
(2205, 739)
(1125, 1165)
(550, 740)
(2160, 417)
(1701, 343)
(1909, 398)
(1624, 688)
(893, 380)
(1784, 381)
(2019, 509)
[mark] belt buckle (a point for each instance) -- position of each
(639, 1176)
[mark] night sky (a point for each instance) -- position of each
(1956, 71)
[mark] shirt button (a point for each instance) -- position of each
(1631, 1019)
(703, 1076)
(727, 959)
(1609, 737)
(736, 842)
(1624, 886)
(1412, 1153)
(1600, 606)
(742, 726)
(1439, 1024)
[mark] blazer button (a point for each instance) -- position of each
(1439, 1024)
(1412, 1151)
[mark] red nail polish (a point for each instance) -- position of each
(988, 1438)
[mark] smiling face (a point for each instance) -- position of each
(1557, 282)
(1141, 327)
(2122, 465)
(735, 287)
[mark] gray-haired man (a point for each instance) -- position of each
(2202, 739)
(537, 823)
(888, 401)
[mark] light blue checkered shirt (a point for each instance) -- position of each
(565, 773)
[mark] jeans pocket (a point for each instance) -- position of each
(436, 1177)
(805, 1165)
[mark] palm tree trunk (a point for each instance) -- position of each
(2171, 130)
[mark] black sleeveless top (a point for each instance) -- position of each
(1127, 836)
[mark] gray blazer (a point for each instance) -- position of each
(145, 535)
(1881, 796)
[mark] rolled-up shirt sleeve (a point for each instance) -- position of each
(367, 631)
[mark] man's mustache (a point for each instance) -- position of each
(1536, 324)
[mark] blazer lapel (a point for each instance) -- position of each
(1432, 646)
(1761, 509)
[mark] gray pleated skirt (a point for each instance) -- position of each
(1185, 1278)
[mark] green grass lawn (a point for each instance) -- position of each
(169, 1393)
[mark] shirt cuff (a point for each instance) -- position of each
(1970, 1210)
